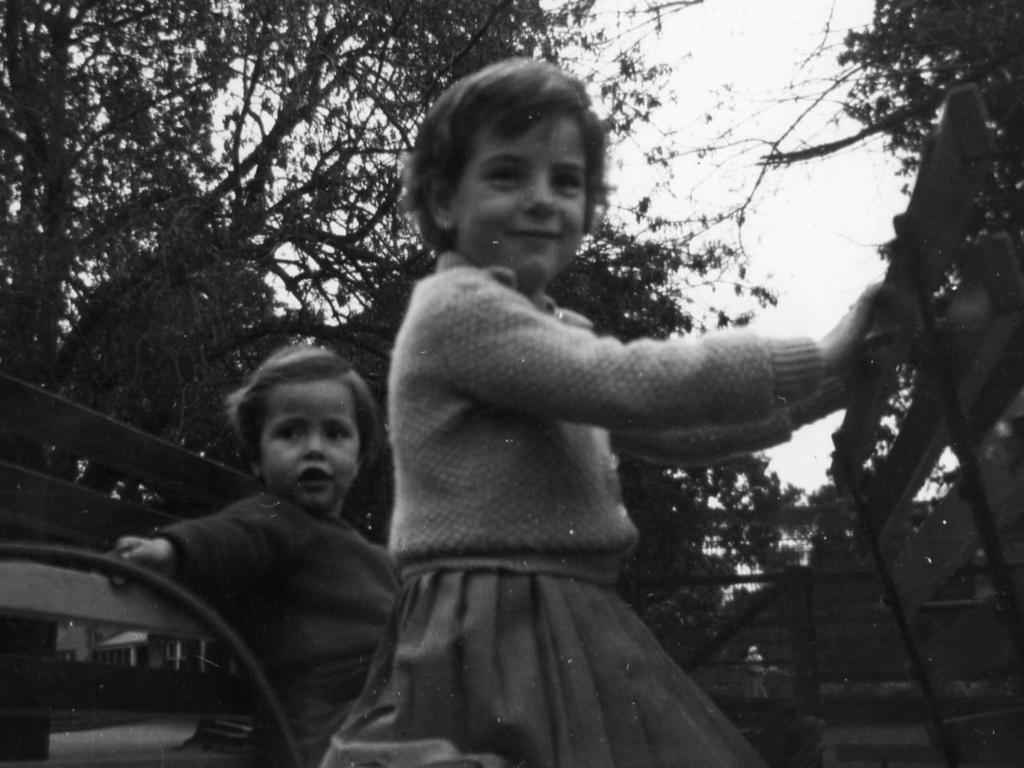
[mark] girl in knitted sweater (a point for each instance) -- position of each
(509, 645)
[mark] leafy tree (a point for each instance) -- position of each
(910, 57)
(188, 184)
(900, 69)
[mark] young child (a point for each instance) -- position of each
(509, 645)
(308, 593)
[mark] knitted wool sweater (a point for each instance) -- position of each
(504, 415)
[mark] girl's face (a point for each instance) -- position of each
(520, 202)
(309, 445)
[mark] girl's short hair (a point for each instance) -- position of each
(509, 97)
(246, 407)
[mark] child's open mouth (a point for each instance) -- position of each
(313, 477)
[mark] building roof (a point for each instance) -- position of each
(124, 639)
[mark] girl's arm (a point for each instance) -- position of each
(248, 543)
(492, 345)
(705, 444)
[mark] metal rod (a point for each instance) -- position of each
(972, 483)
(860, 502)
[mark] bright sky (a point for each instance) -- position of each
(814, 229)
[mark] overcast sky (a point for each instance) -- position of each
(814, 229)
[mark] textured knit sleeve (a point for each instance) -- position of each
(703, 444)
(246, 544)
(707, 443)
(500, 349)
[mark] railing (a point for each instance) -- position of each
(48, 445)
(833, 653)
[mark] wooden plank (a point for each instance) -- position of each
(950, 174)
(923, 436)
(49, 592)
(903, 709)
(162, 759)
(915, 450)
(990, 738)
(982, 324)
(888, 753)
(46, 418)
(35, 686)
(1001, 388)
(800, 626)
(57, 510)
(953, 164)
(947, 539)
(971, 644)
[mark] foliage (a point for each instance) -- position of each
(914, 52)
(698, 522)
(188, 184)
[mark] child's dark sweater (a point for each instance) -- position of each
(309, 594)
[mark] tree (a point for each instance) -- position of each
(913, 53)
(187, 184)
(899, 70)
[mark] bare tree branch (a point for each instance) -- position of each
(922, 108)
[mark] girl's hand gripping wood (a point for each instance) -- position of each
(868, 324)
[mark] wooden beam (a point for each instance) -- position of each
(983, 327)
(46, 591)
(947, 539)
(990, 738)
(46, 418)
(970, 644)
(35, 503)
(161, 758)
(923, 435)
(951, 172)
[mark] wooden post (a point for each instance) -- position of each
(26, 738)
(799, 589)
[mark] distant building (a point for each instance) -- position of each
(115, 645)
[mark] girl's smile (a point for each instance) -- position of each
(520, 202)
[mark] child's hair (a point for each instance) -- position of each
(507, 96)
(246, 407)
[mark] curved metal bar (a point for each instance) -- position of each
(182, 598)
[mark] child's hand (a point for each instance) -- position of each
(843, 345)
(157, 554)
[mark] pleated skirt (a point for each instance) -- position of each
(496, 668)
